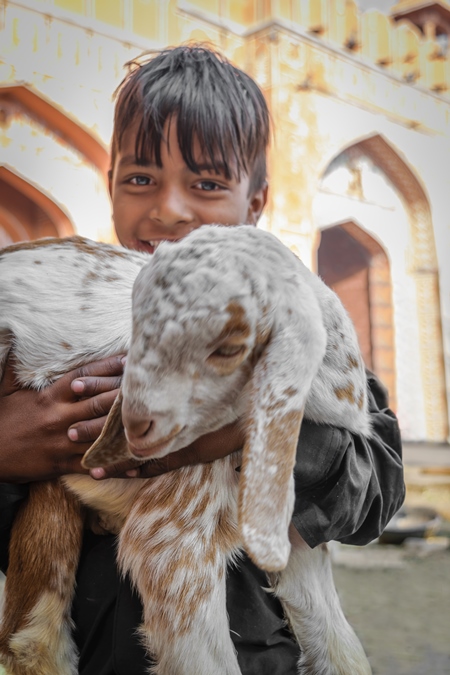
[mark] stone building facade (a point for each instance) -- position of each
(358, 169)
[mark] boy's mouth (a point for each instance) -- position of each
(149, 246)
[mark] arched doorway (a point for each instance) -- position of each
(371, 184)
(27, 213)
(356, 267)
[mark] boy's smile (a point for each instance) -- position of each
(152, 204)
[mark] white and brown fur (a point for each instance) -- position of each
(226, 324)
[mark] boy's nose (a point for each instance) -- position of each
(170, 210)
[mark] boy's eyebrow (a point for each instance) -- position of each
(128, 160)
(219, 169)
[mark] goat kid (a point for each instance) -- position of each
(226, 324)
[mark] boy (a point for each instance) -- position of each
(189, 148)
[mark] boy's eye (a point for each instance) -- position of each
(140, 180)
(208, 185)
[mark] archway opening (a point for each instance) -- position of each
(357, 268)
(27, 213)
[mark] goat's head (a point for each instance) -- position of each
(223, 328)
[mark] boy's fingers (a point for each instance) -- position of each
(87, 431)
(113, 365)
(110, 367)
(93, 412)
(149, 469)
(127, 469)
(92, 386)
(208, 448)
(96, 406)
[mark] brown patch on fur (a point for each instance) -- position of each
(352, 362)
(282, 434)
(360, 401)
(86, 246)
(263, 335)
(233, 334)
(31, 245)
(46, 534)
(66, 345)
(178, 555)
(91, 276)
(236, 324)
(347, 392)
(80, 243)
(280, 450)
(290, 392)
(38, 262)
(276, 405)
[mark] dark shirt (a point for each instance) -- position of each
(347, 489)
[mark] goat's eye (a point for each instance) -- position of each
(228, 351)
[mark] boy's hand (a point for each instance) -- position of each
(45, 434)
(205, 449)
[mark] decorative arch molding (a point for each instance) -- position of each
(18, 97)
(57, 221)
(424, 269)
(12, 227)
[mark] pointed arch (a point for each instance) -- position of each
(424, 269)
(27, 212)
(21, 97)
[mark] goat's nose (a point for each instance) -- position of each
(136, 426)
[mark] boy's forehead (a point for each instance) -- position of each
(128, 154)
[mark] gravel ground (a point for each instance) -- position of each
(398, 601)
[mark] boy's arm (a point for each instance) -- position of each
(349, 487)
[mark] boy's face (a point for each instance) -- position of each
(152, 204)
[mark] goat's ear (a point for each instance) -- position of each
(111, 446)
(266, 494)
(280, 385)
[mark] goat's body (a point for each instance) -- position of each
(64, 303)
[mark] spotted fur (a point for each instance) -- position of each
(226, 324)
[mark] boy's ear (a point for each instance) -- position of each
(110, 176)
(257, 203)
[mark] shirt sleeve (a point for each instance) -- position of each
(348, 487)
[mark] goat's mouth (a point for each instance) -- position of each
(159, 448)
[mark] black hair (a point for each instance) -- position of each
(212, 101)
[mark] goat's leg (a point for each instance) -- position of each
(175, 545)
(307, 592)
(45, 543)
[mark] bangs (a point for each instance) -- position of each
(211, 101)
